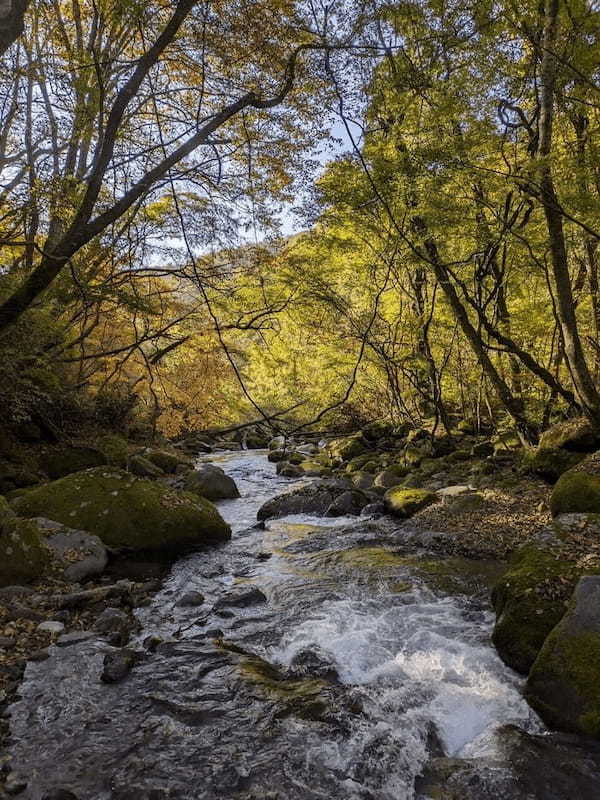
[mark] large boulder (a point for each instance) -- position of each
(404, 503)
(564, 683)
(23, 554)
(528, 605)
(550, 464)
(166, 460)
(143, 468)
(347, 447)
(578, 489)
(575, 434)
(126, 512)
(211, 482)
(314, 498)
(65, 460)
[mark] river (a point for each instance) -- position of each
(329, 660)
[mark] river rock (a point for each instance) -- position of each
(314, 498)
(211, 482)
(392, 476)
(82, 554)
(24, 555)
(372, 510)
(362, 480)
(143, 468)
(564, 682)
(348, 447)
(348, 503)
(191, 599)
(115, 625)
(117, 665)
(525, 612)
(287, 470)
(127, 512)
(241, 596)
(166, 460)
(403, 502)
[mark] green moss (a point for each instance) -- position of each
(405, 502)
(371, 558)
(564, 684)
(23, 554)
(572, 434)
(526, 611)
(126, 512)
(347, 448)
(576, 492)
(549, 464)
(65, 460)
(115, 449)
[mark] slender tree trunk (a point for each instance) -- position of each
(574, 354)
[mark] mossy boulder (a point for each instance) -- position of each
(575, 434)
(23, 554)
(165, 460)
(576, 492)
(211, 482)
(564, 683)
(357, 462)
(403, 502)
(143, 468)
(392, 476)
(126, 512)
(348, 447)
(549, 464)
(65, 460)
(311, 468)
(529, 601)
(115, 449)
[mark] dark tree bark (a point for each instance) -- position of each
(12, 22)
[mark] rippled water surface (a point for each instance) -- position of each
(328, 661)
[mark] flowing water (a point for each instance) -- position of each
(329, 660)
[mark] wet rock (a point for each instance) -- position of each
(15, 784)
(117, 665)
(315, 498)
(372, 510)
(362, 480)
(287, 470)
(191, 599)
(314, 662)
(277, 455)
(392, 476)
(115, 625)
(60, 794)
(564, 682)
(210, 482)
(241, 597)
(403, 502)
(347, 503)
(127, 512)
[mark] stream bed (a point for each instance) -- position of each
(330, 660)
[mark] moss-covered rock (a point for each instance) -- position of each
(392, 476)
(575, 434)
(126, 512)
(347, 447)
(143, 468)
(23, 554)
(564, 683)
(115, 449)
(549, 464)
(312, 468)
(403, 502)
(576, 492)
(65, 460)
(527, 604)
(165, 460)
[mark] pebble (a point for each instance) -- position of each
(51, 626)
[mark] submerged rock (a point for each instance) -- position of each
(117, 665)
(564, 682)
(127, 512)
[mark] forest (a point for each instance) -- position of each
(350, 248)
